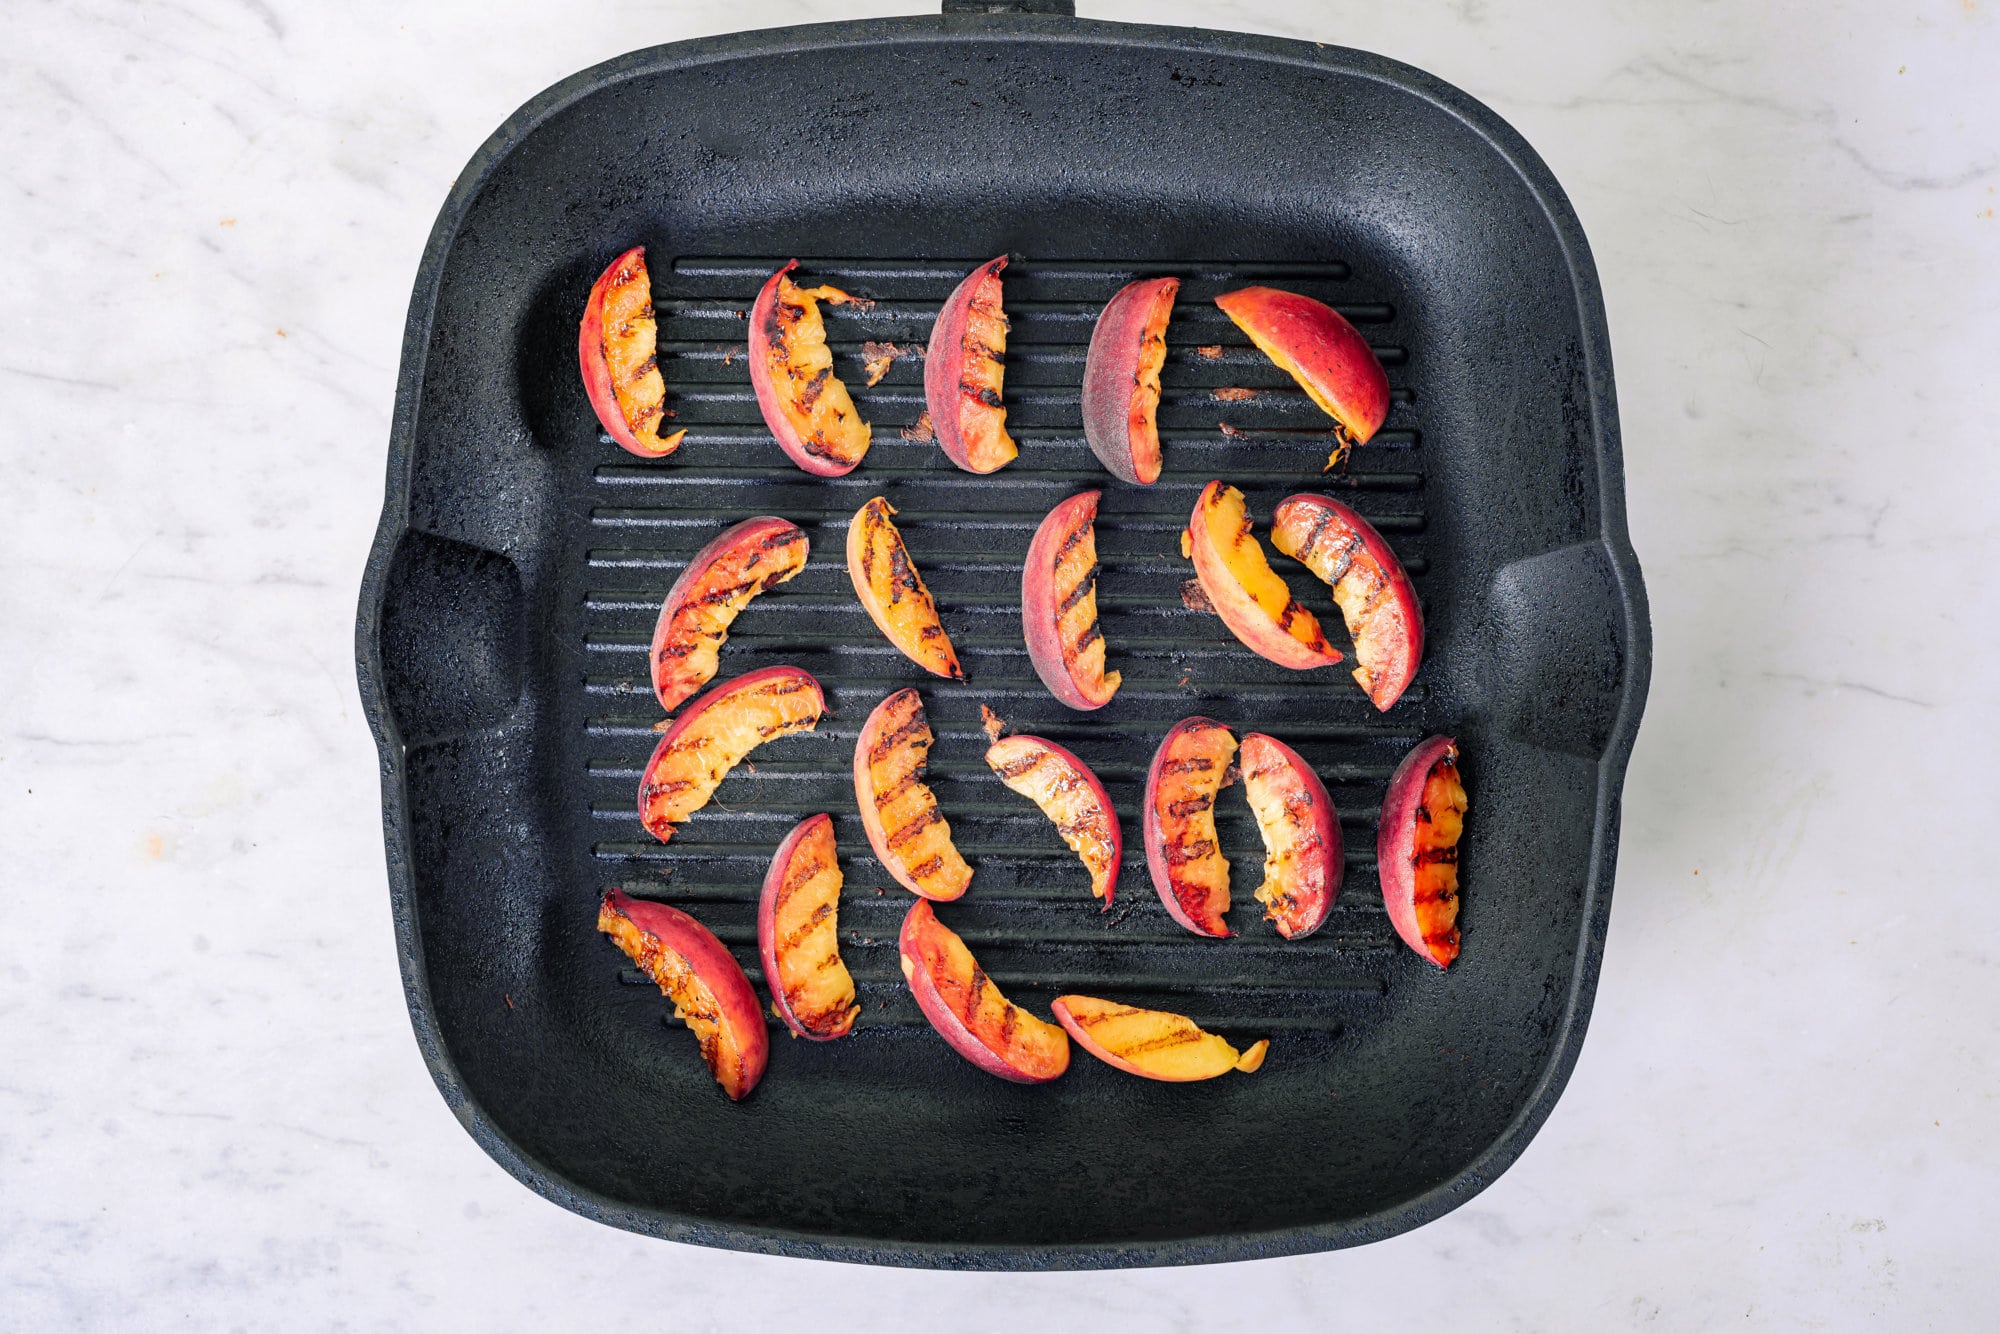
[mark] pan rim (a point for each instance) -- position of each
(1612, 537)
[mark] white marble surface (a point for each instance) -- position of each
(212, 1114)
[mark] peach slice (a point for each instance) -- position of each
(1152, 1044)
(803, 401)
(893, 592)
(1311, 342)
(1121, 379)
(1301, 830)
(898, 812)
(713, 736)
(1189, 870)
(1250, 597)
(717, 584)
(1069, 794)
(963, 372)
(969, 1012)
(698, 974)
(1059, 606)
(798, 934)
(1373, 593)
(1416, 849)
(617, 348)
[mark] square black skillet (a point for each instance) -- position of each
(521, 560)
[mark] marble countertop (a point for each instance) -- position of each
(211, 1108)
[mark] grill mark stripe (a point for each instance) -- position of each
(1084, 588)
(814, 387)
(1071, 541)
(887, 796)
(1026, 764)
(720, 596)
(1167, 1041)
(908, 831)
(797, 935)
(1321, 518)
(802, 871)
(903, 579)
(1091, 1019)
(1341, 558)
(819, 446)
(894, 740)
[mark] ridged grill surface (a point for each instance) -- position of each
(1029, 916)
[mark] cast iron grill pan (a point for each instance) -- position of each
(523, 560)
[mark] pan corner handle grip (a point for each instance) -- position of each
(1561, 646)
(451, 634)
(1058, 8)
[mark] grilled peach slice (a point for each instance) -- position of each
(1416, 849)
(890, 588)
(803, 402)
(1152, 1044)
(1250, 597)
(969, 1012)
(713, 736)
(1069, 794)
(1121, 379)
(718, 583)
(1059, 606)
(709, 990)
(1374, 595)
(1302, 847)
(798, 934)
(898, 812)
(1311, 342)
(617, 348)
(963, 372)
(1189, 870)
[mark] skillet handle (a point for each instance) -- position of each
(446, 641)
(1061, 8)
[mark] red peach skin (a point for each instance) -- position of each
(1375, 596)
(699, 975)
(1188, 868)
(963, 370)
(804, 403)
(1314, 344)
(798, 934)
(617, 351)
(1252, 599)
(1153, 1044)
(1303, 862)
(1416, 849)
(714, 734)
(1121, 379)
(1059, 606)
(910, 836)
(1069, 794)
(969, 1012)
(892, 592)
(743, 561)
